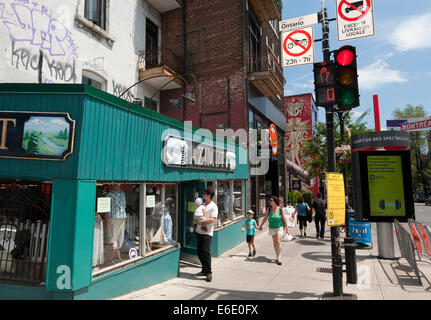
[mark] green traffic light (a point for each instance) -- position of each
(347, 96)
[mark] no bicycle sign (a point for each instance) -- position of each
(298, 47)
(355, 19)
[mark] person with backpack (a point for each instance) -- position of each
(301, 209)
(319, 206)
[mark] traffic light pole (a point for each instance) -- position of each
(337, 264)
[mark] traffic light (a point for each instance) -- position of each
(346, 74)
(324, 83)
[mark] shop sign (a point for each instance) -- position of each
(184, 153)
(36, 135)
(273, 138)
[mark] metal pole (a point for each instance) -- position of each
(385, 232)
(349, 242)
(337, 268)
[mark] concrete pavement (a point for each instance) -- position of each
(304, 275)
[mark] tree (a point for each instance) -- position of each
(33, 144)
(419, 144)
(315, 148)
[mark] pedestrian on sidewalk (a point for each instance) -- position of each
(319, 206)
(301, 209)
(277, 222)
(251, 226)
(204, 237)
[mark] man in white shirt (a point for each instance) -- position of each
(204, 237)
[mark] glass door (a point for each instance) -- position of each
(190, 191)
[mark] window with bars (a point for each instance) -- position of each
(24, 223)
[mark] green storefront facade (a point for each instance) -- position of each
(109, 144)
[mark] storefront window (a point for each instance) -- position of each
(160, 216)
(238, 198)
(116, 228)
(25, 210)
(224, 202)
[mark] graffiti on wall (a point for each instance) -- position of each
(40, 40)
(35, 24)
(53, 69)
(118, 89)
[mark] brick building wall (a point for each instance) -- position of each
(215, 55)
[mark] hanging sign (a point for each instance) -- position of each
(355, 19)
(298, 22)
(298, 47)
(36, 135)
(336, 199)
(273, 138)
(184, 153)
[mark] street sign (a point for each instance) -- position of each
(298, 22)
(298, 47)
(420, 125)
(336, 199)
(355, 19)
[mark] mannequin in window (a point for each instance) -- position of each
(115, 224)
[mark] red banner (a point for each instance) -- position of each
(298, 112)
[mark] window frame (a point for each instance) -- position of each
(101, 12)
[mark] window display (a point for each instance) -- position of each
(224, 202)
(161, 216)
(238, 199)
(120, 234)
(116, 227)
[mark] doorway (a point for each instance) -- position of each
(187, 236)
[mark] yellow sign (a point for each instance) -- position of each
(336, 200)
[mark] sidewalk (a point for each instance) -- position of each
(305, 274)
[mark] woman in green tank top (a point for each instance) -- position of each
(277, 222)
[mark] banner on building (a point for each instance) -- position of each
(36, 135)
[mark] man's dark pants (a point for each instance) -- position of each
(204, 255)
(320, 225)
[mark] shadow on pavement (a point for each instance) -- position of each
(224, 294)
(326, 257)
(311, 242)
(252, 259)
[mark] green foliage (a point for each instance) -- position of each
(420, 146)
(308, 198)
(293, 197)
(33, 144)
(315, 148)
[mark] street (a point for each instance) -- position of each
(423, 213)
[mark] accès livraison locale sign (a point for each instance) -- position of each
(36, 135)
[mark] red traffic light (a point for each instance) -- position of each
(345, 55)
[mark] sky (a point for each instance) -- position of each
(394, 64)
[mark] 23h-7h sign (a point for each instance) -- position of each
(298, 47)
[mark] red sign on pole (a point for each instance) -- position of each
(356, 7)
(355, 19)
(297, 47)
(414, 126)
